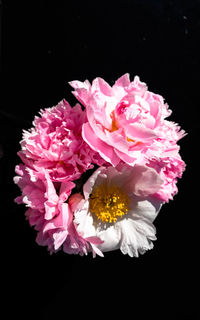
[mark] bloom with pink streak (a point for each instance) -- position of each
(126, 198)
(126, 122)
(50, 214)
(55, 143)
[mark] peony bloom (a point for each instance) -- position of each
(126, 122)
(50, 214)
(55, 143)
(119, 207)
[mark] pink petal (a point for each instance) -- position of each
(98, 121)
(105, 151)
(76, 84)
(139, 132)
(144, 181)
(59, 238)
(81, 91)
(65, 190)
(74, 200)
(117, 139)
(61, 221)
(93, 242)
(103, 86)
(51, 192)
(125, 157)
(50, 210)
(123, 81)
(19, 200)
(96, 251)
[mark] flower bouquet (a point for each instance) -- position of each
(94, 176)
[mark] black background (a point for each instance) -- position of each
(44, 45)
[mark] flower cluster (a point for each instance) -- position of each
(95, 177)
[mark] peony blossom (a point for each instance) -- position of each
(126, 122)
(119, 207)
(55, 143)
(50, 214)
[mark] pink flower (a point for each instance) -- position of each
(50, 214)
(55, 143)
(126, 121)
(119, 208)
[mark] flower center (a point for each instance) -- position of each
(115, 125)
(109, 203)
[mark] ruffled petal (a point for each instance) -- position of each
(61, 221)
(136, 237)
(105, 151)
(82, 91)
(123, 81)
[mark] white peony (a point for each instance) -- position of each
(118, 206)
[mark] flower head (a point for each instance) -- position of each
(127, 123)
(118, 207)
(55, 143)
(50, 214)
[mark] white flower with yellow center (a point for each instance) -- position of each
(118, 206)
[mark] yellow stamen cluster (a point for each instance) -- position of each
(109, 203)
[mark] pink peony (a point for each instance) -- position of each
(55, 143)
(119, 207)
(126, 122)
(50, 214)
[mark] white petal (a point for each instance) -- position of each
(84, 221)
(88, 186)
(128, 243)
(111, 237)
(136, 236)
(147, 208)
(145, 228)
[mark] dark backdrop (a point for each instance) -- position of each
(44, 45)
